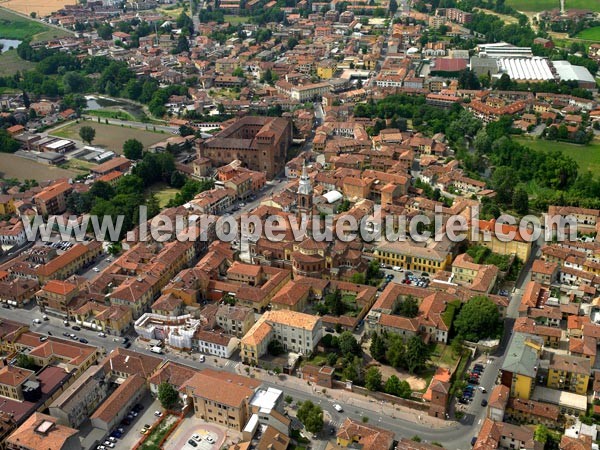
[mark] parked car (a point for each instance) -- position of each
(338, 407)
(196, 437)
(210, 440)
(158, 413)
(473, 440)
(66, 334)
(109, 444)
(201, 358)
(144, 431)
(138, 407)
(83, 340)
(329, 330)
(102, 334)
(193, 443)
(127, 344)
(76, 328)
(484, 402)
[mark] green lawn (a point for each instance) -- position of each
(10, 63)
(586, 156)
(151, 442)
(591, 34)
(442, 355)
(543, 5)
(14, 26)
(162, 192)
(234, 20)
(110, 114)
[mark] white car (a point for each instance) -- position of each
(158, 413)
(109, 444)
(96, 269)
(201, 358)
(196, 437)
(397, 268)
(210, 440)
(102, 334)
(338, 407)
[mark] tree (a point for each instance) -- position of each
(288, 399)
(133, 149)
(373, 379)
(177, 179)
(521, 201)
(540, 434)
(87, 134)
(275, 347)
(408, 307)
(7, 143)
(292, 42)
(396, 352)
(311, 416)
(477, 319)
(416, 354)
(104, 32)
(394, 386)
(167, 395)
(25, 362)
(348, 344)
(238, 72)
(377, 347)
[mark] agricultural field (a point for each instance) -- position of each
(586, 156)
(11, 63)
(544, 5)
(14, 166)
(40, 8)
(110, 137)
(591, 34)
(15, 26)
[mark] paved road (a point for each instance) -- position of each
(130, 123)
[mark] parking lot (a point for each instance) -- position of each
(474, 392)
(400, 276)
(132, 433)
(202, 431)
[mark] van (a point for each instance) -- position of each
(397, 268)
(156, 349)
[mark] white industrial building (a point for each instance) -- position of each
(526, 69)
(568, 72)
(503, 50)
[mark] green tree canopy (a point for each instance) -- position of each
(373, 379)
(477, 319)
(167, 395)
(311, 416)
(133, 149)
(87, 134)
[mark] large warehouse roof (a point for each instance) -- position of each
(533, 69)
(566, 71)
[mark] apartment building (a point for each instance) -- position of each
(519, 370)
(54, 297)
(235, 320)
(79, 400)
(221, 398)
(13, 382)
(502, 238)
(570, 373)
(430, 258)
(41, 431)
(53, 199)
(116, 406)
(296, 331)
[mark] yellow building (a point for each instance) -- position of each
(326, 69)
(296, 331)
(569, 373)
(519, 369)
(221, 398)
(414, 256)
(7, 205)
(499, 238)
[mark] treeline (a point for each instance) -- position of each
(125, 198)
(60, 74)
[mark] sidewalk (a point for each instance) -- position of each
(353, 399)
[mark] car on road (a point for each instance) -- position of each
(83, 340)
(96, 269)
(201, 358)
(473, 440)
(5, 305)
(484, 402)
(397, 268)
(66, 323)
(127, 344)
(74, 337)
(76, 328)
(193, 443)
(144, 431)
(37, 321)
(338, 407)
(482, 389)
(158, 413)
(102, 334)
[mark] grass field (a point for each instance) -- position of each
(586, 156)
(163, 193)
(234, 20)
(110, 114)
(110, 137)
(543, 5)
(14, 166)
(14, 26)
(591, 34)
(10, 63)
